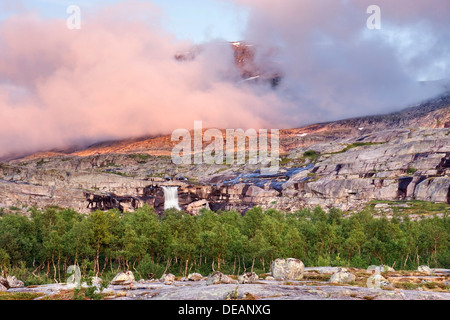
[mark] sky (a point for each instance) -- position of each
(195, 20)
(116, 76)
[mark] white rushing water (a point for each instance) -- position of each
(171, 198)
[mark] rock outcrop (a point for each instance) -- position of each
(123, 278)
(195, 277)
(342, 276)
(344, 164)
(167, 279)
(219, 278)
(248, 277)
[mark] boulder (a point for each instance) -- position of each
(219, 278)
(168, 279)
(13, 282)
(269, 278)
(385, 268)
(425, 269)
(195, 277)
(287, 269)
(123, 278)
(342, 276)
(3, 288)
(248, 277)
(4, 282)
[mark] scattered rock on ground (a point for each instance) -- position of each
(342, 276)
(4, 282)
(195, 277)
(123, 278)
(13, 282)
(248, 277)
(425, 269)
(168, 279)
(219, 278)
(287, 269)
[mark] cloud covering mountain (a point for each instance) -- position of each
(116, 77)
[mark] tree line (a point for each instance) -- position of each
(43, 245)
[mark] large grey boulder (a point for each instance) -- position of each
(342, 277)
(287, 269)
(425, 269)
(123, 278)
(219, 278)
(195, 277)
(168, 279)
(3, 288)
(13, 282)
(248, 277)
(4, 282)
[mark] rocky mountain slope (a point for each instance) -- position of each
(346, 164)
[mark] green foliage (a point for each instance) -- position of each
(411, 170)
(40, 248)
(19, 296)
(140, 157)
(311, 155)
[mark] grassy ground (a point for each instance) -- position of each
(413, 207)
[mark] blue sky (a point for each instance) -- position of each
(195, 20)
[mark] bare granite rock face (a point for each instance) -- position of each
(400, 156)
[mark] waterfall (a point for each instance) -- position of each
(171, 198)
